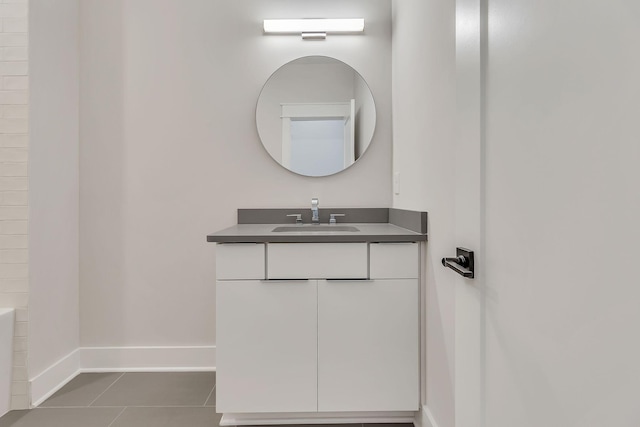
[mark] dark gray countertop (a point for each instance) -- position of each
(258, 233)
(374, 225)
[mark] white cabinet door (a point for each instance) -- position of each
(266, 346)
(368, 357)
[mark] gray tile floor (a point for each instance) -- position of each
(177, 399)
(174, 399)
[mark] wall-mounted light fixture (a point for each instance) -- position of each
(313, 29)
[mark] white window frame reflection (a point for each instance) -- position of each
(319, 111)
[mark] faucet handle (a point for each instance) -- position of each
(332, 218)
(298, 218)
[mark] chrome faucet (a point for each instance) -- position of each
(315, 218)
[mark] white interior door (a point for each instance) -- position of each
(547, 194)
(562, 152)
(469, 393)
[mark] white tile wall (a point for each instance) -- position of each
(14, 183)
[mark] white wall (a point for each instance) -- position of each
(170, 150)
(423, 133)
(562, 208)
(53, 183)
(14, 186)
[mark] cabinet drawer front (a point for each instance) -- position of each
(395, 260)
(317, 261)
(240, 261)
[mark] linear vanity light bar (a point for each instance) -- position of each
(314, 28)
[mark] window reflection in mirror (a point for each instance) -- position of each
(316, 116)
(317, 147)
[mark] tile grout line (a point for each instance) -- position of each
(110, 385)
(116, 418)
(209, 397)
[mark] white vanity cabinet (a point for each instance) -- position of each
(266, 336)
(368, 335)
(317, 328)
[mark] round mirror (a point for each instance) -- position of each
(316, 116)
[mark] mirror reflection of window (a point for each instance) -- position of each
(317, 146)
(326, 131)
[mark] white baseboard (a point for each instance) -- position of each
(120, 359)
(148, 359)
(54, 377)
(424, 418)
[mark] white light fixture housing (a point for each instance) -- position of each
(313, 29)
